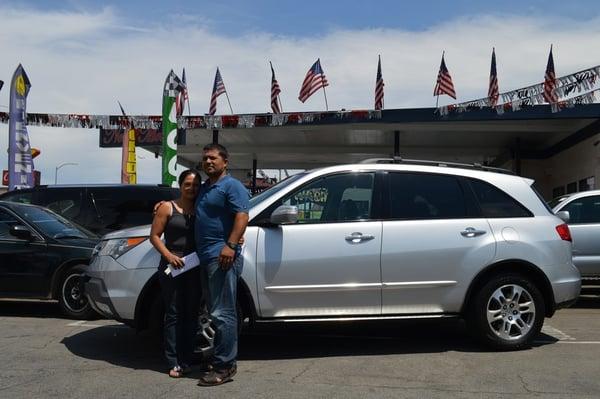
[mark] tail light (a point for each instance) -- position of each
(564, 232)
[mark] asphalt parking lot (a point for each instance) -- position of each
(45, 356)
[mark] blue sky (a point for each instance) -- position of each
(82, 56)
(309, 17)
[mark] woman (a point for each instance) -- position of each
(181, 294)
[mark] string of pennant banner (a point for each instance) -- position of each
(558, 92)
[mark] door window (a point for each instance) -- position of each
(6, 222)
(336, 198)
(426, 196)
(584, 210)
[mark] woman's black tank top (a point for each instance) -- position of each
(179, 234)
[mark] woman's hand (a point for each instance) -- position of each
(174, 260)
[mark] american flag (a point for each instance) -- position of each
(275, 90)
(379, 87)
(550, 81)
(493, 91)
(313, 81)
(444, 83)
(218, 89)
(182, 96)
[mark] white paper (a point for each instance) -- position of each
(189, 262)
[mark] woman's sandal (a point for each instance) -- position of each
(178, 371)
(217, 377)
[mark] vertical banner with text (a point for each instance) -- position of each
(169, 125)
(20, 162)
(128, 161)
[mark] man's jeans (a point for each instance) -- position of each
(221, 302)
(181, 296)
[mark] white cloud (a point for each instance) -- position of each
(82, 62)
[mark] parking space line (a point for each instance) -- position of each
(84, 323)
(556, 333)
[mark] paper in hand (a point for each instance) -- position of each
(189, 262)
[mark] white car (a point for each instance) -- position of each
(584, 222)
(377, 241)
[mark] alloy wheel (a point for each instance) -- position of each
(511, 312)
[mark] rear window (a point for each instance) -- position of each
(495, 203)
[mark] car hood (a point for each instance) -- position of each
(138, 231)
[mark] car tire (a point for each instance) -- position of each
(507, 313)
(71, 299)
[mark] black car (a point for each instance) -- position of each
(42, 255)
(99, 208)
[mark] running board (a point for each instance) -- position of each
(357, 318)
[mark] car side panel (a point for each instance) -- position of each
(586, 248)
(427, 265)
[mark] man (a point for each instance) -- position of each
(221, 219)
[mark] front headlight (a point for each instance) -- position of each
(119, 246)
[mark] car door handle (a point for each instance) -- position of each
(470, 232)
(357, 237)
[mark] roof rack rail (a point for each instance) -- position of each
(400, 160)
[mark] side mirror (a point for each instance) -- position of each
(564, 215)
(21, 232)
(285, 214)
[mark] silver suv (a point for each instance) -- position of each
(377, 241)
(584, 222)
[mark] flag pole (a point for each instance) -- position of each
(228, 102)
(325, 94)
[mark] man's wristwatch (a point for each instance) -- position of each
(231, 245)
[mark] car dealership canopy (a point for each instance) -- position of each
(479, 135)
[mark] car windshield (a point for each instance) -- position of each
(257, 199)
(52, 224)
(553, 203)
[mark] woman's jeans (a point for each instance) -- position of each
(221, 301)
(181, 296)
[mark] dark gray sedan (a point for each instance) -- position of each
(42, 255)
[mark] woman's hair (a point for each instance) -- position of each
(186, 173)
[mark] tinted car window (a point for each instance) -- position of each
(66, 202)
(584, 210)
(336, 198)
(495, 203)
(17, 196)
(6, 222)
(114, 209)
(426, 196)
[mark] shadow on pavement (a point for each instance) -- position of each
(30, 308)
(122, 346)
(118, 345)
(587, 301)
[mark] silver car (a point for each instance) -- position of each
(377, 241)
(584, 222)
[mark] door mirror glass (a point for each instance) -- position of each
(564, 215)
(21, 232)
(285, 214)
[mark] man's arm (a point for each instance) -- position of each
(237, 232)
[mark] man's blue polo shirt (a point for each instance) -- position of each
(216, 207)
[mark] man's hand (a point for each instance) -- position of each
(226, 258)
(157, 205)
